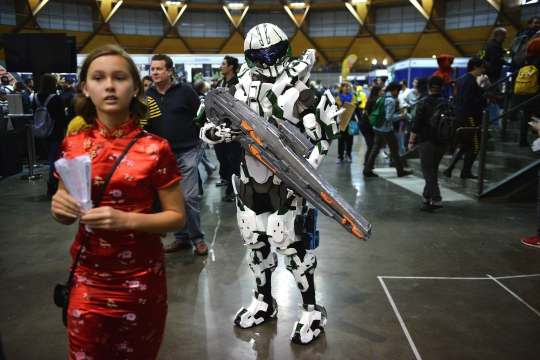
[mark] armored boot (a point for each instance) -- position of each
(310, 325)
(468, 160)
(257, 312)
(455, 158)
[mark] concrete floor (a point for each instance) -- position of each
(454, 284)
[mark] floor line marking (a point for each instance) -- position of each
(455, 278)
(411, 342)
(431, 278)
(515, 276)
(514, 295)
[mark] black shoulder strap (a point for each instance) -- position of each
(98, 201)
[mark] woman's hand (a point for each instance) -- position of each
(64, 206)
(105, 218)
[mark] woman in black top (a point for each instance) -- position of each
(55, 107)
(365, 127)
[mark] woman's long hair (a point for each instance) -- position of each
(373, 95)
(85, 107)
(48, 84)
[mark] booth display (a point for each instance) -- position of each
(185, 65)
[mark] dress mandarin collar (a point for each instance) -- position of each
(118, 131)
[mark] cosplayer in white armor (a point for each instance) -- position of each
(270, 214)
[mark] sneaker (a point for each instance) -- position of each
(349, 157)
(531, 241)
(201, 248)
(383, 154)
(370, 174)
(338, 161)
(222, 182)
(405, 173)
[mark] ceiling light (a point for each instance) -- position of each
(236, 5)
(358, 1)
(374, 62)
(298, 4)
(384, 62)
(173, 3)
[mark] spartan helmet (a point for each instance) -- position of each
(267, 49)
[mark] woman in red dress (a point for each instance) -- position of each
(118, 301)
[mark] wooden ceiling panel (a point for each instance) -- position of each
(331, 55)
(171, 46)
(475, 34)
(472, 49)
(234, 44)
(409, 39)
(433, 44)
(332, 42)
(402, 53)
(366, 47)
(137, 41)
(205, 43)
(98, 41)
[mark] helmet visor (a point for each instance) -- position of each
(269, 55)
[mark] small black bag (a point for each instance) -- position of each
(61, 299)
(61, 291)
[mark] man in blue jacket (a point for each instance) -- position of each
(469, 106)
(173, 106)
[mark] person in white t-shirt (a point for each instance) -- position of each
(403, 96)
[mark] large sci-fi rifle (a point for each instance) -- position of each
(282, 149)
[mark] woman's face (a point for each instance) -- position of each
(146, 84)
(110, 86)
(345, 89)
(381, 92)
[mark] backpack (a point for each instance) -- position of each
(43, 123)
(378, 114)
(442, 122)
(481, 54)
(526, 81)
(519, 49)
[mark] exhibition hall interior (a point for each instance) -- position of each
(334, 212)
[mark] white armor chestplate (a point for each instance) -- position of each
(257, 170)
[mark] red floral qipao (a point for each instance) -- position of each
(118, 301)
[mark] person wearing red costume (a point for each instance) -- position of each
(445, 72)
(118, 300)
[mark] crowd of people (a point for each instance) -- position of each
(157, 187)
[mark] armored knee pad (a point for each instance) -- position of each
(259, 265)
(300, 269)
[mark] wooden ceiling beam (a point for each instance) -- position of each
(360, 13)
(428, 16)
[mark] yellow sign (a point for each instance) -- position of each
(347, 65)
